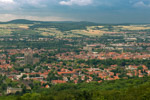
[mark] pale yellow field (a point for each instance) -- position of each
(15, 25)
(46, 34)
(100, 26)
(90, 31)
(24, 26)
(133, 27)
(96, 32)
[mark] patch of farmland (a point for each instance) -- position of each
(133, 27)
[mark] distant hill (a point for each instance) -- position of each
(60, 25)
(64, 26)
(25, 21)
(20, 21)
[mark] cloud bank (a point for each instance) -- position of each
(88, 10)
(8, 17)
(48, 3)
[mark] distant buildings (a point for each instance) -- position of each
(13, 90)
(28, 57)
(88, 48)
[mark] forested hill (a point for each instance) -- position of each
(61, 25)
(64, 26)
(25, 21)
(19, 21)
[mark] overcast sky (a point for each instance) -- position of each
(101, 11)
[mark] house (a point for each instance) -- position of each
(47, 86)
(148, 72)
(27, 70)
(66, 73)
(13, 90)
(130, 74)
(131, 67)
(58, 81)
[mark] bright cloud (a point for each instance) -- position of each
(7, 4)
(76, 2)
(141, 4)
(6, 1)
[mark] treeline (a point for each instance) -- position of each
(131, 89)
(52, 44)
(119, 62)
(64, 26)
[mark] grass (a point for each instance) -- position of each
(7, 98)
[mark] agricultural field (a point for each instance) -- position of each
(133, 27)
(23, 26)
(92, 30)
(7, 29)
(4, 32)
(66, 29)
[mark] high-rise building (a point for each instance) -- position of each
(88, 48)
(28, 57)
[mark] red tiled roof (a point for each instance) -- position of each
(58, 81)
(71, 72)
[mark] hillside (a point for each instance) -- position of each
(68, 28)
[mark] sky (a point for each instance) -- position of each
(100, 11)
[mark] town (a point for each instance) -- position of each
(74, 49)
(120, 56)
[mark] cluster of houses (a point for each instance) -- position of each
(70, 71)
(77, 75)
(74, 75)
(102, 55)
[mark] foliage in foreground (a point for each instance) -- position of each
(131, 89)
